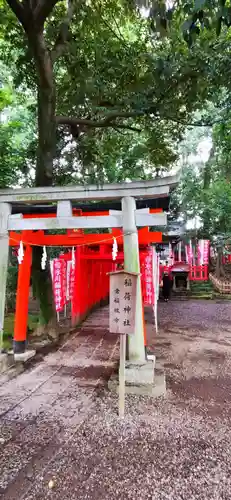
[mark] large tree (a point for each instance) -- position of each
(122, 96)
(95, 67)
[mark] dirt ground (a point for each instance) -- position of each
(60, 437)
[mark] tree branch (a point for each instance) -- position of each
(119, 37)
(107, 122)
(19, 11)
(110, 120)
(63, 35)
(43, 10)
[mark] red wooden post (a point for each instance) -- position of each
(76, 300)
(94, 282)
(98, 284)
(101, 280)
(22, 302)
(90, 286)
(85, 279)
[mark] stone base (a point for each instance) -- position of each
(19, 346)
(24, 356)
(3, 363)
(6, 361)
(139, 373)
(141, 380)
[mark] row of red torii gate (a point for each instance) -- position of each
(80, 275)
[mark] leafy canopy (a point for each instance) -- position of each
(123, 98)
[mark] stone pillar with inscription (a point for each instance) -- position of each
(123, 302)
(123, 287)
(136, 350)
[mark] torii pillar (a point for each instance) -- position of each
(22, 303)
(5, 211)
(136, 349)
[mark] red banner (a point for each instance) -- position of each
(206, 252)
(64, 282)
(71, 281)
(68, 279)
(147, 280)
(63, 277)
(59, 281)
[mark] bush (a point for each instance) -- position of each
(11, 288)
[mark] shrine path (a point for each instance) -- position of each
(59, 424)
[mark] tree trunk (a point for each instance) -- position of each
(46, 136)
(39, 278)
(206, 184)
(46, 112)
(44, 167)
(219, 264)
(32, 16)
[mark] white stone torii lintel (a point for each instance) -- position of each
(155, 188)
(89, 222)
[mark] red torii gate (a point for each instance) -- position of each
(72, 238)
(82, 302)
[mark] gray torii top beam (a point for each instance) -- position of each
(155, 188)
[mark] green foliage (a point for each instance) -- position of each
(218, 204)
(5, 98)
(116, 97)
(205, 190)
(119, 74)
(110, 66)
(8, 332)
(11, 288)
(16, 132)
(222, 142)
(193, 17)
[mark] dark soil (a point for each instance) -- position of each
(61, 438)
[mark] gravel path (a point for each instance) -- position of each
(64, 440)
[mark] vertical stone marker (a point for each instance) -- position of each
(123, 290)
